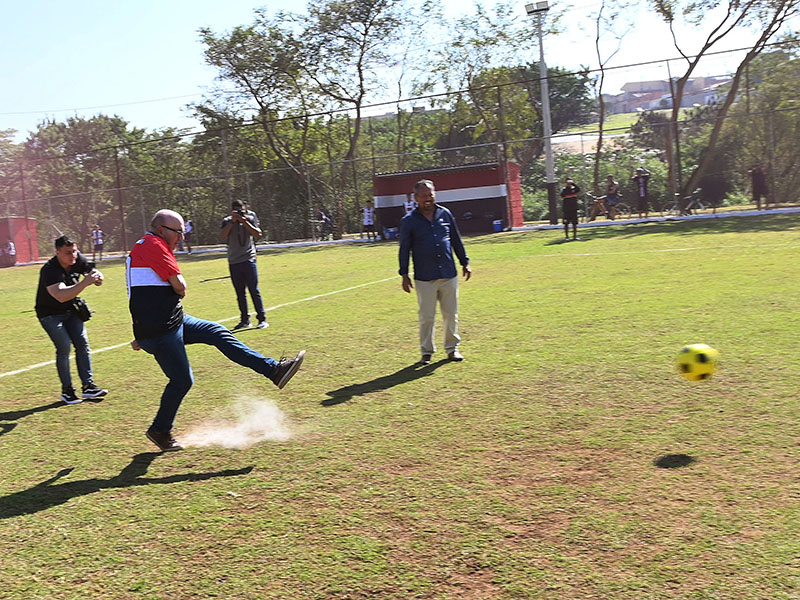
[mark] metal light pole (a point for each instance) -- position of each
(538, 9)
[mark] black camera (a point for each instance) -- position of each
(239, 212)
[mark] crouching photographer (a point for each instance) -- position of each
(62, 314)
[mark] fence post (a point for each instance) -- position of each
(504, 147)
(225, 166)
(772, 161)
(310, 205)
(25, 209)
(119, 200)
(141, 208)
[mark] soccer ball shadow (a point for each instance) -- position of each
(673, 461)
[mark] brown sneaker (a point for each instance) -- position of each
(286, 369)
(164, 441)
(425, 360)
(456, 356)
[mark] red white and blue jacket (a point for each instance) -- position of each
(155, 307)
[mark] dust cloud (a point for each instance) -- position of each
(256, 420)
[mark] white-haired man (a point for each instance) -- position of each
(161, 328)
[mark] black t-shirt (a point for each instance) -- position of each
(52, 272)
(570, 196)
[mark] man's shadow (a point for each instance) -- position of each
(405, 374)
(15, 415)
(46, 495)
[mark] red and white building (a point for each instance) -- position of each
(483, 198)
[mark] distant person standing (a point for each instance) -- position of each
(187, 237)
(569, 197)
(640, 180)
(8, 254)
(612, 196)
(326, 228)
(59, 285)
(430, 235)
(409, 205)
(240, 230)
(97, 241)
(758, 180)
(369, 220)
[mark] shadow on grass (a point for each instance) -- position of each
(673, 461)
(559, 241)
(731, 224)
(700, 226)
(409, 373)
(46, 495)
(15, 415)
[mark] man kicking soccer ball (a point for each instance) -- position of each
(155, 289)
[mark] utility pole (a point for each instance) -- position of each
(538, 9)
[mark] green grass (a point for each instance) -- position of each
(615, 123)
(527, 471)
(619, 122)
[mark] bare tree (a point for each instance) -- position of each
(610, 23)
(765, 16)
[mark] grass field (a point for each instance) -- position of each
(616, 123)
(534, 469)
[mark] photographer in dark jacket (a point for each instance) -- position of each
(56, 308)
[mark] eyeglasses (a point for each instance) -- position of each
(178, 231)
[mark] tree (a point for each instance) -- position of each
(479, 45)
(610, 23)
(327, 60)
(766, 17)
(72, 166)
(9, 170)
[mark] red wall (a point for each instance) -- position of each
(23, 233)
(471, 192)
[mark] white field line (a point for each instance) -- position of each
(355, 287)
(277, 306)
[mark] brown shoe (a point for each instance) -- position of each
(286, 369)
(425, 360)
(456, 356)
(164, 441)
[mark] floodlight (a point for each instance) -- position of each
(537, 7)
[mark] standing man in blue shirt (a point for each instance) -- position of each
(431, 235)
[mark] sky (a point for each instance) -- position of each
(143, 59)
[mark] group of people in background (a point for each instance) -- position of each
(429, 238)
(607, 204)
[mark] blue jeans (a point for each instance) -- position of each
(245, 275)
(67, 331)
(169, 351)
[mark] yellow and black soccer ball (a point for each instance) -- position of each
(697, 362)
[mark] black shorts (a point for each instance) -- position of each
(641, 204)
(571, 214)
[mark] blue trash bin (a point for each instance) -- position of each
(498, 226)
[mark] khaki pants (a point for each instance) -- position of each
(446, 292)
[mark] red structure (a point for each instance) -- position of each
(22, 232)
(477, 195)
